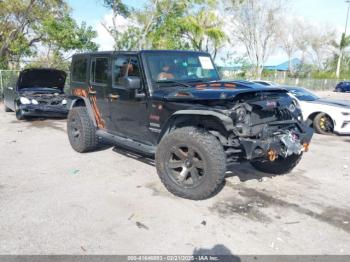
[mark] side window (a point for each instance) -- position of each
(125, 66)
(99, 70)
(79, 69)
(120, 67)
(134, 69)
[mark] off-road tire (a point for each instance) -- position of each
(79, 121)
(213, 157)
(7, 109)
(278, 167)
(316, 124)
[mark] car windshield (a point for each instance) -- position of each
(303, 94)
(183, 67)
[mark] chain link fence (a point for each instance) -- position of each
(283, 79)
(309, 83)
(7, 78)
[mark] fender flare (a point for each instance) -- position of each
(74, 100)
(226, 121)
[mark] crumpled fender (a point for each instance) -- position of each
(224, 119)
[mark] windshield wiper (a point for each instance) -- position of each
(173, 82)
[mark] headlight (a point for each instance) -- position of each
(35, 102)
(64, 102)
(24, 101)
(241, 114)
(295, 101)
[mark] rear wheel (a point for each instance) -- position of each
(81, 130)
(191, 163)
(279, 166)
(323, 124)
(338, 90)
(7, 109)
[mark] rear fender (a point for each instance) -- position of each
(80, 101)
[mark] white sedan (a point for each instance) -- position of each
(325, 115)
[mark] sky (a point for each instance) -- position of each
(322, 12)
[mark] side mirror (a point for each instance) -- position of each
(132, 82)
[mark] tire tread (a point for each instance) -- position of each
(89, 140)
(215, 152)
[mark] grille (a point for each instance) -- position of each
(284, 114)
(54, 103)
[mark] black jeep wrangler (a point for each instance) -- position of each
(173, 104)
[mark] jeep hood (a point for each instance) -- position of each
(34, 78)
(218, 90)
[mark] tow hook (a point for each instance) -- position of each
(272, 155)
(306, 147)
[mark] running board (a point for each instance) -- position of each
(127, 143)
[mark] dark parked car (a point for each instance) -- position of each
(38, 92)
(343, 87)
(173, 104)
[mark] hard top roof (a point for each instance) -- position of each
(138, 52)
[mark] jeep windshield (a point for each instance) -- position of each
(180, 68)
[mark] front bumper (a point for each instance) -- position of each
(44, 110)
(281, 145)
(342, 125)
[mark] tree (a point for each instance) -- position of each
(46, 24)
(320, 46)
(20, 21)
(288, 37)
(62, 37)
(172, 24)
(344, 43)
(204, 31)
(119, 9)
(255, 24)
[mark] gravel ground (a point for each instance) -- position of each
(56, 201)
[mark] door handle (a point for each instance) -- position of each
(113, 97)
(10, 88)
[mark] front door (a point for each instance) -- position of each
(129, 109)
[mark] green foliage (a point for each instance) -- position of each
(54, 60)
(28, 24)
(172, 24)
(65, 35)
(118, 7)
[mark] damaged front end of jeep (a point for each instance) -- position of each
(267, 126)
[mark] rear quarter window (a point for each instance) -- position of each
(79, 69)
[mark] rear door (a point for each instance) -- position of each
(100, 83)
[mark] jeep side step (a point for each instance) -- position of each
(127, 143)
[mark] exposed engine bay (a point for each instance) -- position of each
(41, 93)
(53, 99)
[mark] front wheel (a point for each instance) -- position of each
(278, 167)
(323, 124)
(191, 163)
(19, 113)
(81, 130)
